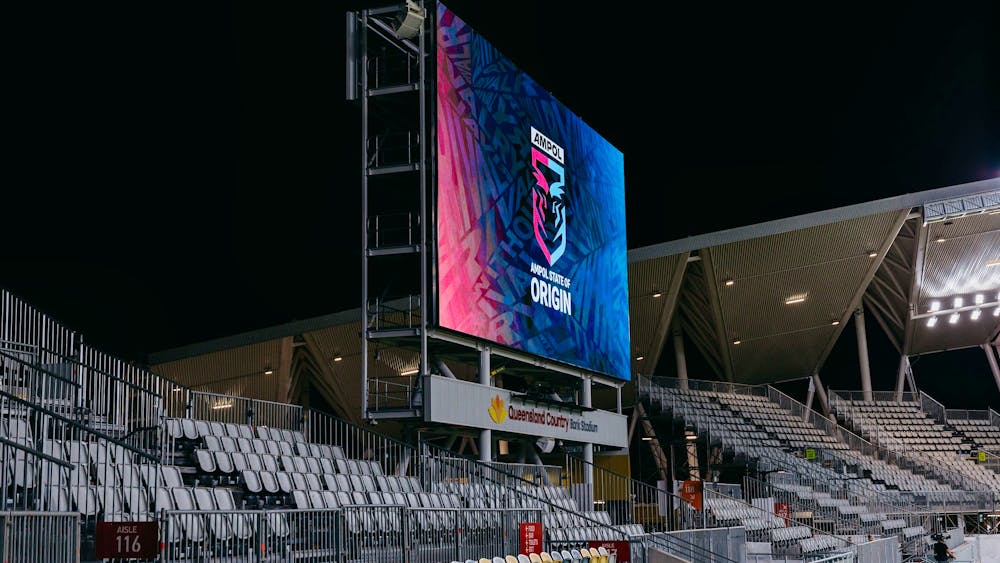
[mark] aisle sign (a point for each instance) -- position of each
(126, 540)
(531, 537)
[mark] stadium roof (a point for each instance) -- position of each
(893, 256)
(767, 302)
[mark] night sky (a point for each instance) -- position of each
(185, 171)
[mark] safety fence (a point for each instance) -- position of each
(39, 537)
(26, 327)
(718, 544)
(624, 498)
(364, 533)
(786, 536)
(217, 407)
(483, 485)
(833, 506)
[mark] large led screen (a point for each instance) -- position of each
(530, 213)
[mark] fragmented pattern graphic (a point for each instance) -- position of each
(488, 249)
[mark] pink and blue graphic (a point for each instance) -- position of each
(548, 206)
(530, 213)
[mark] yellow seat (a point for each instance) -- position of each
(484, 560)
(535, 558)
(510, 559)
(545, 557)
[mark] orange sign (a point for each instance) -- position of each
(691, 492)
(497, 412)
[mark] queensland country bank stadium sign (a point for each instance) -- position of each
(462, 403)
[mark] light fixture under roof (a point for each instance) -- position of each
(737, 341)
(268, 371)
(796, 299)
(835, 322)
(338, 358)
(976, 314)
(640, 358)
(729, 282)
(939, 239)
(657, 294)
(935, 306)
(996, 311)
(979, 299)
(993, 263)
(958, 302)
(413, 371)
(872, 254)
(931, 321)
(953, 318)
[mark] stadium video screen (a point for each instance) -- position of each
(530, 213)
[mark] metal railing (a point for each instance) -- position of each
(30, 329)
(393, 230)
(39, 537)
(723, 510)
(242, 535)
(393, 392)
(718, 543)
(217, 407)
(393, 149)
(440, 470)
(888, 447)
(402, 313)
(645, 383)
(625, 499)
(933, 407)
(877, 396)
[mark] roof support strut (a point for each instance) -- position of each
(991, 357)
(866, 375)
(821, 394)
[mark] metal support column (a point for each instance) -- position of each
(363, 76)
(588, 449)
(682, 371)
(424, 305)
(485, 435)
(866, 376)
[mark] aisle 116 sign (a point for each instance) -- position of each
(126, 540)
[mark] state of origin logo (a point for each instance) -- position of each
(548, 216)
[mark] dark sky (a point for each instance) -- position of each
(183, 171)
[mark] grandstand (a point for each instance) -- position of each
(359, 436)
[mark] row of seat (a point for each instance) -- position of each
(581, 555)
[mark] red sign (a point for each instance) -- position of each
(531, 537)
(126, 540)
(783, 510)
(691, 492)
(620, 549)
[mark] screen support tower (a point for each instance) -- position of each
(387, 74)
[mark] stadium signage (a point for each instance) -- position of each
(530, 224)
(463, 403)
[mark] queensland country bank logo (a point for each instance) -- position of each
(548, 196)
(497, 411)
